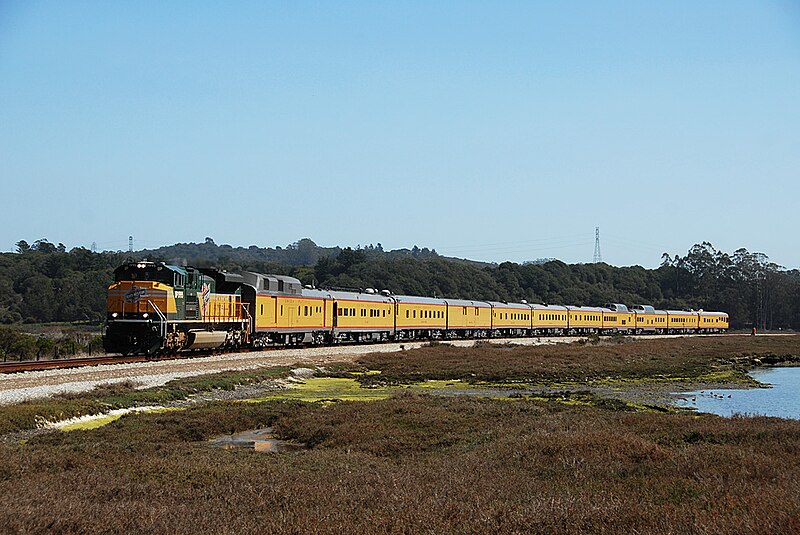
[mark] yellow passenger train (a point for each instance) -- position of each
(155, 308)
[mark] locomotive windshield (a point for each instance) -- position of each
(145, 271)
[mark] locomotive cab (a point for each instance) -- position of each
(140, 301)
(156, 307)
(154, 289)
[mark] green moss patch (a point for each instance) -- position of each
(329, 389)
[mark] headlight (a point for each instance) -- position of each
(114, 315)
(145, 315)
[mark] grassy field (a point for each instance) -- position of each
(420, 463)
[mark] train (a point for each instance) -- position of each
(156, 308)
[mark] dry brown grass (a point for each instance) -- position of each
(685, 357)
(29, 414)
(411, 464)
(423, 464)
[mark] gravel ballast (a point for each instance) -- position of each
(18, 387)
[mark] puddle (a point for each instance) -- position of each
(262, 440)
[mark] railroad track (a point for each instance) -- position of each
(79, 362)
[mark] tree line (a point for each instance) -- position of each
(44, 282)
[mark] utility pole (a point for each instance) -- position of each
(597, 257)
(130, 244)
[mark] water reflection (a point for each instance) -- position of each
(261, 440)
(782, 400)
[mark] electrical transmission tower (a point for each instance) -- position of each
(130, 244)
(94, 247)
(597, 257)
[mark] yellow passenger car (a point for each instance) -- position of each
(650, 320)
(469, 318)
(284, 313)
(296, 313)
(417, 317)
(581, 320)
(510, 319)
(713, 322)
(362, 316)
(617, 318)
(549, 319)
(682, 321)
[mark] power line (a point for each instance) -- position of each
(640, 245)
(515, 243)
(514, 246)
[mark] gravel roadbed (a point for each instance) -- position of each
(17, 387)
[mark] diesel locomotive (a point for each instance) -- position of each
(154, 307)
(158, 308)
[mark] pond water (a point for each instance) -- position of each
(782, 400)
(261, 440)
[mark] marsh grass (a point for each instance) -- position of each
(567, 462)
(687, 358)
(412, 463)
(35, 413)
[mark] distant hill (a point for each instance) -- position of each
(43, 282)
(302, 253)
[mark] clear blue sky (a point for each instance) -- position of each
(489, 130)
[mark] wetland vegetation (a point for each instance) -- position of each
(411, 460)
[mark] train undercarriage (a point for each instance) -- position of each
(142, 337)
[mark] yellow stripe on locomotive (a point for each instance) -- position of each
(140, 297)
